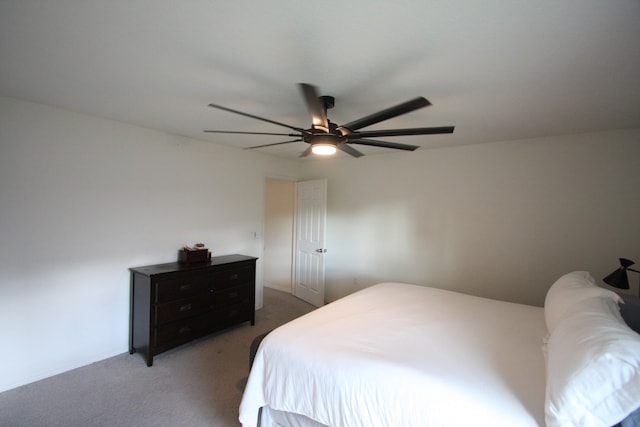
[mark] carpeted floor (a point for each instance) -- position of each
(198, 384)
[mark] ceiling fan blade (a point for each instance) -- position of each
(399, 132)
(275, 143)
(385, 144)
(220, 107)
(349, 150)
(316, 107)
(251, 133)
(389, 113)
(306, 152)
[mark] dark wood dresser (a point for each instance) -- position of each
(174, 303)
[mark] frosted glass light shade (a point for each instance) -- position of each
(323, 149)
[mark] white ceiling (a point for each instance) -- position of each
(496, 69)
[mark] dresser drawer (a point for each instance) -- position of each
(230, 296)
(180, 309)
(178, 332)
(231, 315)
(183, 285)
(233, 276)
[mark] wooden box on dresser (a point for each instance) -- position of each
(174, 303)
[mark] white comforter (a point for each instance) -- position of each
(405, 355)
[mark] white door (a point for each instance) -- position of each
(311, 216)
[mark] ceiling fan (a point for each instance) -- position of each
(325, 137)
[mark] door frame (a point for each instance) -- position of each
(292, 269)
(294, 180)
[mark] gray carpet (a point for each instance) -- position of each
(198, 384)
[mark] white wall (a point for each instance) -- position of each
(501, 220)
(82, 200)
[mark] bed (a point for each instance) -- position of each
(405, 355)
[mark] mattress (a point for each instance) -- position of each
(399, 354)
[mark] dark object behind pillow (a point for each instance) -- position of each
(630, 311)
(633, 420)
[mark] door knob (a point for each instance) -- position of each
(321, 250)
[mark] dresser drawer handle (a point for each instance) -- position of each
(233, 276)
(185, 307)
(233, 294)
(185, 288)
(184, 330)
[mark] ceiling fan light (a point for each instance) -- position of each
(323, 149)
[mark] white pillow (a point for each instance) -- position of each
(569, 290)
(593, 371)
